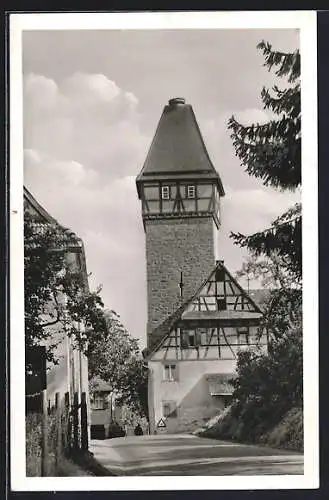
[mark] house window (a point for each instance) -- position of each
(98, 402)
(190, 338)
(169, 409)
(170, 373)
(165, 192)
(243, 335)
(191, 191)
(221, 303)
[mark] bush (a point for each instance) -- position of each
(288, 433)
(267, 386)
(267, 398)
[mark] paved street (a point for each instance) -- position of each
(180, 455)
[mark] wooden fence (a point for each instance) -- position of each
(54, 431)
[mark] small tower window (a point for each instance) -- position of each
(165, 192)
(191, 191)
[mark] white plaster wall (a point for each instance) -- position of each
(190, 374)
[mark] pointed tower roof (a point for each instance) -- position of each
(178, 149)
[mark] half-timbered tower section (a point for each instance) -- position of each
(180, 192)
(193, 353)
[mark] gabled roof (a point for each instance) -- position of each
(203, 306)
(178, 148)
(41, 221)
(36, 210)
(102, 386)
(66, 239)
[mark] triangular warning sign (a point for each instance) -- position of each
(161, 423)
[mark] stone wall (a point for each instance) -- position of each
(174, 246)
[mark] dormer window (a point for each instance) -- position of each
(165, 192)
(191, 191)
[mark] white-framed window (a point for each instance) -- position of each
(169, 409)
(170, 372)
(191, 191)
(165, 192)
(98, 402)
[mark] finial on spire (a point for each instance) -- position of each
(176, 100)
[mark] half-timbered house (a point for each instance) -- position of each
(199, 316)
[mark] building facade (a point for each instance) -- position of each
(104, 411)
(69, 377)
(198, 315)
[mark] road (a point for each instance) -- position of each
(187, 455)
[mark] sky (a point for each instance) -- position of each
(91, 103)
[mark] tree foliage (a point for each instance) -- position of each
(58, 303)
(116, 359)
(272, 153)
(56, 297)
(268, 385)
(282, 294)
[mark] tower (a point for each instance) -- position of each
(180, 192)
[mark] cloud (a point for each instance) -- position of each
(83, 148)
(84, 118)
(41, 168)
(83, 87)
(252, 115)
(41, 92)
(251, 210)
(107, 217)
